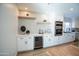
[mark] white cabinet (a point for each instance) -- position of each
(50, 41)
(46, 41)
(30, 43)
(21, 44)
(25, 43)
(68, 37)
(56, 40)
(72, 36)
(60, 39)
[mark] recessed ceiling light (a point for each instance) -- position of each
(26, 8)
(71, 9)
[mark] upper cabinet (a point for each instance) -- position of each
(26, 15)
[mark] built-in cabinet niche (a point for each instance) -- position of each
(36, 24)
(26, 19)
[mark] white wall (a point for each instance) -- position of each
(77, 22)
(73, 23)
(8, 29)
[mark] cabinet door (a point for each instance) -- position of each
(46, 41)
(25, 43)
(53, 41)
(30, 43)
(64, 38)
(50, 41)
(67, 37)
(21, 44)
(60, 39)
(72, 36)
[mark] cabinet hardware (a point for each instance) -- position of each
(29, 37)
(21, 38)
(49, 39)
(25, 42)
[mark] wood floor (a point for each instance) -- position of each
(68, 49)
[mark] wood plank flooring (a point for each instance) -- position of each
(68, 49)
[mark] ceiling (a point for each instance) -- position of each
(33, 7)
(49, 7)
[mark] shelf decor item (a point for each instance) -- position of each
(27, 32)
(44, 20)
(27, 14)
(23, 28)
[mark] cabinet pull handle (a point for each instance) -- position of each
(49, 39)
(21, 38)
(29, 37)
(25, 42)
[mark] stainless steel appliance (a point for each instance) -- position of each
(58, 28)
(38, 42)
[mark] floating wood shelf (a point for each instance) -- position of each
(43, 23)
(26, 17)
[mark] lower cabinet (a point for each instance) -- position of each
(46, 41)
(50, 41)
(56, 40)
(70, 37)
(25, 43)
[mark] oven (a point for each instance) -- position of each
(58, 28)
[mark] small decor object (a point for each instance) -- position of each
(40, 31)
(27, 32)
(23, 28)
(44, 21)
(27, 14)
